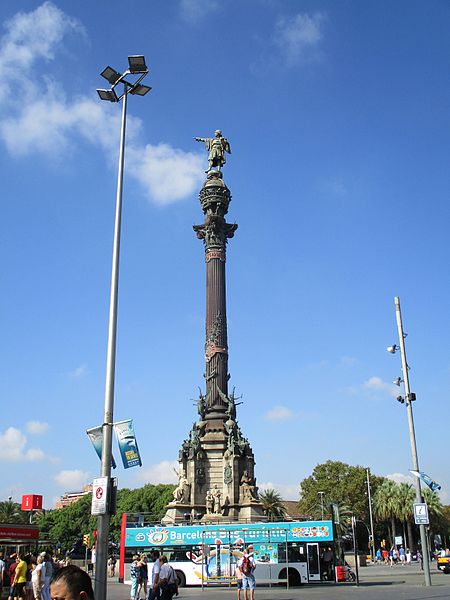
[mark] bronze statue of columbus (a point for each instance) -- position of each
(216, 146)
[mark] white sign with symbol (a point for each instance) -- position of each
(99, 496)
(421, 513)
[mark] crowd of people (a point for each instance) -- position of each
(29, 577)
(163, 583)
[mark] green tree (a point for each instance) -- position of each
(341, 483)
(386, 505)
(10, 512)
(272, 504)
(405, 500)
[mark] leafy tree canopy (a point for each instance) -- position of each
(69, 524)
(343, 484)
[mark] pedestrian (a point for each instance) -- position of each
(378, 556)
(47, 571)
(420, 558)
(71, 583)
(2, 572)
(168, 583)
(112, 565)
(37, 579)
(402, 555)
(408, 556)
(385, 555)
(154, 584)
(238, 574)
(143, 576)
(135, 574)
(247, 566)
(20, 579)
(328, 563)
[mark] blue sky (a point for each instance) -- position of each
(337, 116)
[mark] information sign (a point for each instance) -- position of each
(99, 496)
(421, 513)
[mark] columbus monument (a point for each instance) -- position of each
(216, 478)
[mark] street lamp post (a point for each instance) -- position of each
(321, 494)
(138, 70)
(408, 399)
(369, 497)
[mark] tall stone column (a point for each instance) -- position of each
(216, 463)
(215, 232)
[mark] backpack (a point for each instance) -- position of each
(246, 565)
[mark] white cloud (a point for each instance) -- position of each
(72, 480)
(12, 445)
(376, 384)
(401, 478)
(37, 427)
(279, 413)
(194, 10)
(30, 37)
(78, 372)
(46, 122)
(162, 472)
(286, 491)
(299, 37)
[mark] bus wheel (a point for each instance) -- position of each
(293, 575)
(181, 578)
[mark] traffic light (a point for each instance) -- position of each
(86, 539)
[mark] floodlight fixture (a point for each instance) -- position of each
(140, 90)
(111, 75)
(401, 399)
(109, 95)
(398, 381)
(137, 64)
(392, 349)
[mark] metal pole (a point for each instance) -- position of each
(355, 549)
(371, 517)
(100, 581)
(321, 501)
(412, 439)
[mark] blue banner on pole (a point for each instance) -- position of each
(427, 480)
(127, 444)
(96, 436)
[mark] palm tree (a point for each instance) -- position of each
(272, 504)
(406, 498)
(10, 513)
(386, 506)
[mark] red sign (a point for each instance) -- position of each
(31, 502)
(19, 533)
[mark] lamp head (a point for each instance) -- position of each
(397, 381)
(109, 95)
(400, 399)
(111, 75)
(392, 349)
(137, 64)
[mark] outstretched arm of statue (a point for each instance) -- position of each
(199, 139)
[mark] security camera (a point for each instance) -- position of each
(392, 349)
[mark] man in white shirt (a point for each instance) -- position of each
(154, 584)
(247, 567)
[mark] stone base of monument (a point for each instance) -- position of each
(177, 513)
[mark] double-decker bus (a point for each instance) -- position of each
(287, 552)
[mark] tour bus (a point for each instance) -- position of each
(287, 552)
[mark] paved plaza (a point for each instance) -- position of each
(376, 582)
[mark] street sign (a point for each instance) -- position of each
(398, 540)
(99, 496)
(421, 513)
